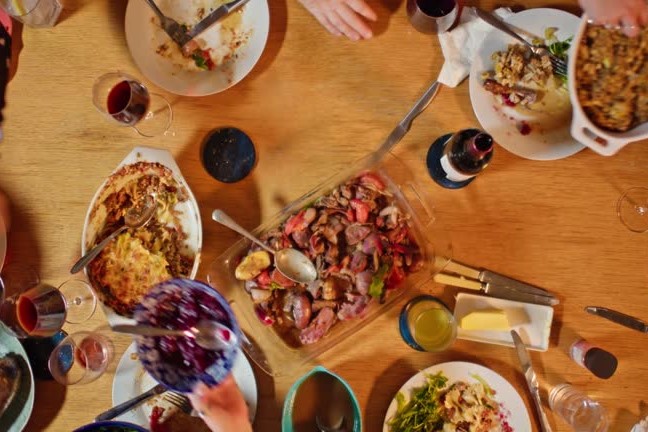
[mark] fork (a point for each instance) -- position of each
(178, 400)
(175, 31)
(557, 64)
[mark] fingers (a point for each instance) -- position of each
(363, 9)
(355, 27)
(328, 25)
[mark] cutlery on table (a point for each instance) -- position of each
(137, 216)
(130, 404)
(406, 123)
(209, 335)
(559, 65)
(494, 284)
(619, 318)
(176, 32)
(531, 379)
(218, 14)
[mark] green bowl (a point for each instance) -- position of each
(287, 418)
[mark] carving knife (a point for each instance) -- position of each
(217, 15)
(531, 379)
(619, 318)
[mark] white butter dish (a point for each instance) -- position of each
(531, 321)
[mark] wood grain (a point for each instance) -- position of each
(313, 104)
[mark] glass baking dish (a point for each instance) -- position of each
(265, 346)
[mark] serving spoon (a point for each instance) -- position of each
(136, 216)
(210, 335)
(289, 261)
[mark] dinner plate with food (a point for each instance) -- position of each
(515, 94)
(131, 380)
(457, 396)
(220, 57)
(16, 384)
(167, 246)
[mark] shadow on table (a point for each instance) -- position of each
(384, 10)
(117, 13)
(625, 420)
(276, 37)
(70, 7)
(268, 414)
(48, 401)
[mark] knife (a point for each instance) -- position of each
(130, 404)
(496, 290)
(619, 318)
(217, 15)
(531, 379)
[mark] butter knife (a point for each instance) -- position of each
(619, 318)
(531, 379)
(495, 290)
(217, 15)
(131, 403)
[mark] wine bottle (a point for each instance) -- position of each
(454, 160)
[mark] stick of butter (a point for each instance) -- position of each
(486, 319)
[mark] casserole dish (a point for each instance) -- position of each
(264, 345)
(583, 130)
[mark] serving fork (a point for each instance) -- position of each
(558, 65)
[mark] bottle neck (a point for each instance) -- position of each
(480, 145)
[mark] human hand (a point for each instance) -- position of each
(343, 17)
(630, 15)
(222, 407)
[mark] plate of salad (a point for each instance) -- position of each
(515, 94)
(457, 396)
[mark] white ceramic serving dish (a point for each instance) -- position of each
(143, 38)
(189, 214)
(583, 129)
(531, 321)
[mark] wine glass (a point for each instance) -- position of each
(42, 311)
(126, 101)
(80, 358)
(632, 209)
(433, 16)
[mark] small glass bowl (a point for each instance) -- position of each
(426, 324)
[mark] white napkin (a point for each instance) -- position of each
(460, 45)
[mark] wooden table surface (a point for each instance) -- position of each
(313, 104)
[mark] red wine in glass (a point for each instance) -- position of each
(436, 8)
(128, 102)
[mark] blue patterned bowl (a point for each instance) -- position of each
(178, 363)
(108, 426)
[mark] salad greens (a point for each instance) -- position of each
(424, 411)
(378, 282)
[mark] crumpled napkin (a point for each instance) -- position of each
(460, 45)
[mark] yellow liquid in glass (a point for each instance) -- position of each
(433, 329)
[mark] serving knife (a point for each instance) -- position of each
(217, 15)
(619, 318)
(531, 379)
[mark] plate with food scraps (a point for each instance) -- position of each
(168, 246)
(131, 380)
(16, 384)
(515, 95)
(471, 393)
(490, 320)
(223, 55)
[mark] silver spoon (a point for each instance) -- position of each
(210, 335)
(136, 216)
(290, 262)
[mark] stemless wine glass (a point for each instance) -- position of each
(34, 13)
(632, 209)
(127, 102)
(433, 16)
(80, 358)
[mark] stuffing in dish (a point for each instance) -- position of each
(362, 245)
(612, 78)
(139, 258)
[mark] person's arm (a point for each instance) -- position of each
(343, 17)
(631, 15)
(222, 407)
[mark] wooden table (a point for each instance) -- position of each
(312, 104)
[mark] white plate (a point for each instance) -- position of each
(16, 417)
(132, 380)
(188, 210)
(505, 393)
(143, 39)
(531, 321)
(545, 142)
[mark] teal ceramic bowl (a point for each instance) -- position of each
(293, 411)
